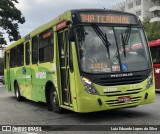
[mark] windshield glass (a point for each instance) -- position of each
(125, 49)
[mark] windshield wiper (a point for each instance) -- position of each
(103, 38)
(124, 45)
(125, 38)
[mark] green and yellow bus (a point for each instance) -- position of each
(84, 60)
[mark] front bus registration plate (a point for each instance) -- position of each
(124, 99)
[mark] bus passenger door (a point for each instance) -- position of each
(63, 46)
(27, 71)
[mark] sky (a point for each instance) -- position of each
(39, 12)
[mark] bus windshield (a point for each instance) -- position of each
(112, 49)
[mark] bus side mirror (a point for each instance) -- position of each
(71, 35)
(70, 31)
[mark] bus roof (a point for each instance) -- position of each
(100, 10)
(154, 43)
(65, 16)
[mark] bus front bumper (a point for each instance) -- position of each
(91, 103)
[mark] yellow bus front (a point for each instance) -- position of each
(112, 62)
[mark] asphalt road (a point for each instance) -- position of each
(31, 113)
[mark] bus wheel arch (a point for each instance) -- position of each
(52, 98)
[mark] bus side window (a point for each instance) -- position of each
(27, 51)
(155, 51)
(35, 50)
(13, 57)
(46, 46)
(20, 55)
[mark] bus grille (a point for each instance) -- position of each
(115, 103)
(126, 92)
(119, 81)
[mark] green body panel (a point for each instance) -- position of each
(33, 83)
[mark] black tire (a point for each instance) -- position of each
(17, 92)
(53, 103)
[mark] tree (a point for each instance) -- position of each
(10, 17)
(152, 29)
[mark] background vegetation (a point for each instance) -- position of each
(152, 29)
(10, 18)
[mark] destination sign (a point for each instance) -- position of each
(48, 34)
(61, 25)
(107, 18)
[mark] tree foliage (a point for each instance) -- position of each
(10, 17)
(152, 30)
(1, 66)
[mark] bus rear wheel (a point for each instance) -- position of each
(54, 101)
(17, 92)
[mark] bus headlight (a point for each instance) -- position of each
(89, 86)
(149, 81)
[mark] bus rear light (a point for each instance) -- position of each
(89, 86)
(149, 81)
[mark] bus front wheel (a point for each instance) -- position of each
(54, 101)
(17, 92)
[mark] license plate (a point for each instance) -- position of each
(124, 99)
